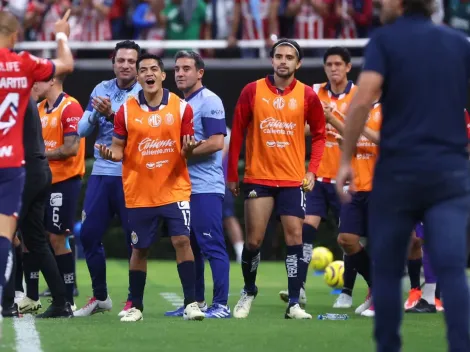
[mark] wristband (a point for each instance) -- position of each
(61, 35)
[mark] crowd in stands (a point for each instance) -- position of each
(98, 20)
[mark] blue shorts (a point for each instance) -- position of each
(11, 190)
(61, 206)
(354, 215)
(322, 198)
(228, 205)
(288, 201)
(419, 230)
(144, 222)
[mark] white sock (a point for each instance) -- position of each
(429, 293)
(238, 247)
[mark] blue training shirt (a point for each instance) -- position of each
(426, 69)
(91, 118)
(206, 173)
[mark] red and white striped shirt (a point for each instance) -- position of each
(46, 31)
(91, 25)
(250, 28)
(308, 24)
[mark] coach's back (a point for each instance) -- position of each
(426, 69)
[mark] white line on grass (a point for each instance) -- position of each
(27, 337)
(173, 298)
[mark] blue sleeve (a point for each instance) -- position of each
(375, 56)
(139, 17)
(213, 117)
(90, 118)
(108, 3)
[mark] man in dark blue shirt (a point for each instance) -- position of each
(422, 173)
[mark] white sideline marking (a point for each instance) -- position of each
(173, 298)
(27, 337)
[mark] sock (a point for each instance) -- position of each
(137, 280)
(31, 276)
(429, 276)
(414, 272)
(45, 260)
(250, 262)
(308, 235)
(9, 288)
(294, 255)
(73, 248)
(238, 248)
(187, 273)
(361, 263)
(19, 269)
(66, 264)
(438, 290)
(429, 292)
(349, 276)
(5, 263)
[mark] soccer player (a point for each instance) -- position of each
(207, 184)
(422, 174)
(274, 111)
(19, 72)
(153, 134)
(59, 113)
(104, 196)
(336, 94)
(354, 214)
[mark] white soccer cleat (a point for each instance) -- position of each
(127, 306)
(19, 295)
(94, 306)
(193, 312)
(295, 312)
(242, 309)
(132, 314)
(370, 312)
(27, 305)
(366, 305)
(284, 295)
(343, 301)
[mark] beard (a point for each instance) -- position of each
(285, 74)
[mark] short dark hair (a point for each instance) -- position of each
(147, 56)
(126, 44)
(189, 54)
(288, 42)
(340, 51)
(60, 78)
(421, 7)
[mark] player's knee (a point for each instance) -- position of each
(253, 244)
(415, 248)
(181, 242)
(140, 253)
(57, 242)
(349, 243)
(312, 220)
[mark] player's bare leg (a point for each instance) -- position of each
(361, 262)
(292, 226)
(187, 274)
(415, 257)
(257, 214)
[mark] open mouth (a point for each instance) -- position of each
(150, 81)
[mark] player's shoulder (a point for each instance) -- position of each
(106, 86)
(210, 97)
(251, 87)
(319, 86)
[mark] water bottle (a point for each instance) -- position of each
(332, 316)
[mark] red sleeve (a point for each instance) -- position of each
(70, 117)
(187, 126)
(120, 130)
(467, 120)
(315, 118)
(38, 69)
(242, 117)
(364, 18)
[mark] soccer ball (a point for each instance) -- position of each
(334, 274)
(321, 257)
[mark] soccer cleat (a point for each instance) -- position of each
(192, 312)
(27, 305)
(132, 314)
(11, 312)
(54, 311)
(243, 306)
(366, 305)
(284, 295)
(343, 301)
(180, 311)
(295, 312)
(413, 297)
(369, 312)
(218, 311)
(19, 295)
(127, 306)
(422, 307)
(94, 306)
(439, 306)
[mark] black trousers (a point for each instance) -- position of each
(33, 234)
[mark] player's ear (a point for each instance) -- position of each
(163, 75)
(200, 73)
(299, 63)
(348, 67)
